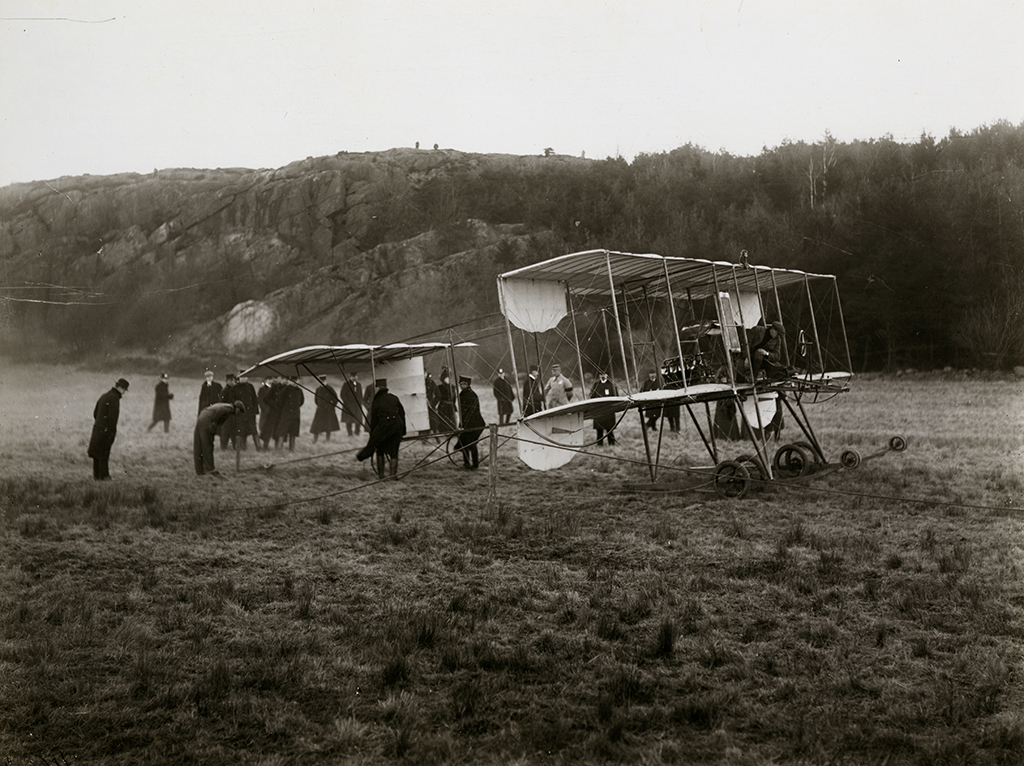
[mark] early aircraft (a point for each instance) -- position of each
(695, 322)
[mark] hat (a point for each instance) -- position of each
(230, 376)
(208, 372)
(239, 407)
(122, 383)
(534, 368)
(779, 327)
(464, 379)
(163, 376)
(501, 371)
(381, 382)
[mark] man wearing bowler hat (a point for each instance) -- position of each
(104, 429)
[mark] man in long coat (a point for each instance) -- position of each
(207, 424)
(229, 428)
(209, 392)
(162, 404)
(266, 398)
(504, 395)
(472, 424)
(651, 413)
(605, 421)
(352, 404)
(247, 421)
(104, 429)
(446, 402)
(325, 419)
(289, 421)
(387, 427)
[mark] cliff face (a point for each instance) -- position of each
(198, 262)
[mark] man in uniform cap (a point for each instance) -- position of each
(387, 427)
(472, 423)
(104, 429)
(207, 424)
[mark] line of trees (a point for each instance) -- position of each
(926, 239)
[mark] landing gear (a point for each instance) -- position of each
(732, 479)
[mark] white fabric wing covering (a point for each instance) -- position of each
(533, 305)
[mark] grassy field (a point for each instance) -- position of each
(302, 613)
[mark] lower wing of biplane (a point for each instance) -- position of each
(551, 438)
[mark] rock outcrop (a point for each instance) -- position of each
(182, 262)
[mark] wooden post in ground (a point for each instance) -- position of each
(238, 452)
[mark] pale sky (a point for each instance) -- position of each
(107, 86)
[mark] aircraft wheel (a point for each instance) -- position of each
(850, 458)
(791, 461)
(897, 444)
(451, 447)
(811, 452)
(732, 480)
(753, 466)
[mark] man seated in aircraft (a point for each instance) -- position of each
(766, 350)
(558, 389)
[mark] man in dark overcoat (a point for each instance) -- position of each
(387, 427)
(472, 423)
(352, 405)
(289, 421)
(651, 413)
(504, 395)
(325, 419)
(208, 424)
(247, 421)
(446, 394)
(209, 392)
(603, 422)
(533, 392)
(162, 404)
(229, 428)
(104, 429)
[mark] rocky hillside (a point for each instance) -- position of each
(186, 264)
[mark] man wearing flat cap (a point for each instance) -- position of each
(472, 423)
(104, 429)
(207, 425)
(387, 427)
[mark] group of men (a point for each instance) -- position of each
(230, 411)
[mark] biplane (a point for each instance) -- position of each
(690, 322)
(400, 363)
